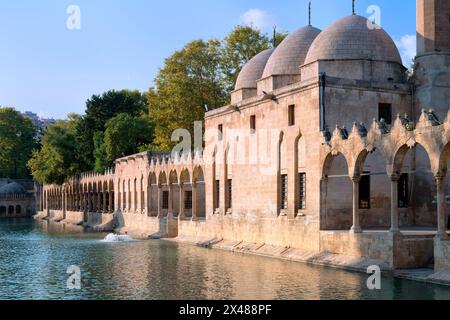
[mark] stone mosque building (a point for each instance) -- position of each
(328, 148)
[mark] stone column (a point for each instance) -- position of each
(181, 206)
(159, 209)
(99, 202)
(194, 201)
(356, 222)
(394, 204)
(170, 209)
(111, 202)
(441, 209)
(105, 196)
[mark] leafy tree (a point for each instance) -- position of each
(126, 135)
(100, 155)
(100, 109)
(17, 141)
(190, 80)
(58, 158)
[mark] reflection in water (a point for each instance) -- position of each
(35, 258)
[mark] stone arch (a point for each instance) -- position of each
(336, 193)
(199, 197)
(414, 162)
(300, 171)
(374, 203)
(163, 194)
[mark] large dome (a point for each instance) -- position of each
(291, 53)
(12, 188)
(350, 38)
(253, 70)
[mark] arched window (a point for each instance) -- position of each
(18, 209)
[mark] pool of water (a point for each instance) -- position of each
(34, 258)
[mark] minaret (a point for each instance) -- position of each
(432, 65)
(433, 26)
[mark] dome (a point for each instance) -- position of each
(350, 39)
(291, 53)
(12, 188)
(253, 70)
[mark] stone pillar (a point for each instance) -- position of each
(441, 209)
(159, 209)
(356, 228)
(181, 215)
(99, 202)
(194, 201)
(170, 209)
(105, 196)
(394, 204)
(111, 202)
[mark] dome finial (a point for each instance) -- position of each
(309, 13)
(353, 7)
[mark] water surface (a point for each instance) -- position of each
(34, 258)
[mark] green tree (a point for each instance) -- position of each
(100, 109)
(17, 141)
(190, 80)
(126, 135)
(58, 157)
(100, 155)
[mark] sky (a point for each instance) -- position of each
(55, 54)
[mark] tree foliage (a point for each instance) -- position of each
(58, 157)
(190, 81)
(125, 135)
(100, 109)
(17, 141)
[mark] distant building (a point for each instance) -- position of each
(39, 123)
(16, 198)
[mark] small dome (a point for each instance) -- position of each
(351, 38)
(12, 188)
(253, 70)
(291, 53)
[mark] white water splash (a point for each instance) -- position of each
(111, 238)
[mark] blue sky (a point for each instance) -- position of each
(51, 70)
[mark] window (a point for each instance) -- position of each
(284, 192)
(11, 210)
(220, 132)
(291, 115)
(188, 200)
(385, 112)
(230, 194)
(364, 191)
(165, 200)
(18, 209)
(403, 191)
(217, 194)
(302, 190)
(252, 124)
